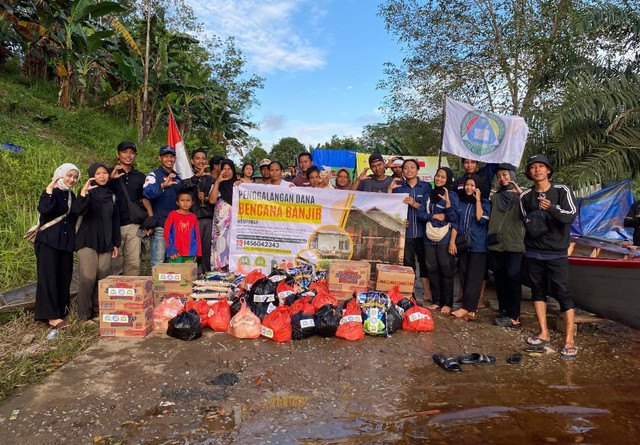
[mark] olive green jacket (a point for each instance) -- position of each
(511, 230)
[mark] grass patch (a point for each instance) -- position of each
(18, 370)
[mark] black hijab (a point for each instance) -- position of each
(101, 193)
(226, 187)
(471, 199)
(439, 190)
(506, 199)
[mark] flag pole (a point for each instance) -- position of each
(444, 115)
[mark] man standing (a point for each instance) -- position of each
(199, 186)
(161, 188)
(214, 166)
(633, 220)
(264, 171)
(126, 183)
(378, 181)
(304, 162)
(485, 175)
(551, 209)
(395, 164)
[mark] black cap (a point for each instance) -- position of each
(122, 146)
(167, 149)
(375, 157)
(506, 166)
(537, 158)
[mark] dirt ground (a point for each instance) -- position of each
(160, 390)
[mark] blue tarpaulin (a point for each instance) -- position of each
(601, 214)
(334, 158)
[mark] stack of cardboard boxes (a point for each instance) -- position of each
(346, 277)
(126, 306)
(173, 280)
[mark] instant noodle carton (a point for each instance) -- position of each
(126, 322)
(346, 277)
(125, 306)
(174, 277)
(159, 296)
(390, 275)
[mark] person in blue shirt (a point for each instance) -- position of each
(473, 219)
(439, 210)
(161, 188)
(414, 234)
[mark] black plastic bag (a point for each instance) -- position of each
(185, 326)
(277, 275)
(394, 319)
(302, 326)
(327, 320)
(405, 304)
(292, 299)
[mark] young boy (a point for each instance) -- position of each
(181, 232)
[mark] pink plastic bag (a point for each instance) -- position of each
(245, 324)
(164, 312)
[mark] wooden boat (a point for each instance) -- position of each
(605, 280)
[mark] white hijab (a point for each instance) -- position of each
(62, 171)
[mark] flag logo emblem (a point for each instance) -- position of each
(482, 132)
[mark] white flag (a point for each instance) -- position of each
(471, 133)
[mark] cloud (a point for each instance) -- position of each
(267, 32)
(273, 122)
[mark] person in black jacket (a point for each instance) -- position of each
(54, 247)
(552, 208)
(633, 220)
(97, 238)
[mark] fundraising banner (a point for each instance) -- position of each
(475, 134)
(289, 226)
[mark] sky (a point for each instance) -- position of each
(321, 61)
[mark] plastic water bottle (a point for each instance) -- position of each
(52, 335)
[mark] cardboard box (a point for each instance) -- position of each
(126, 322)
(343, 296)
(174, 277)
(390, 275)
(348, 276)
(121, 292)
(159, 296)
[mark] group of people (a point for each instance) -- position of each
(457, 221)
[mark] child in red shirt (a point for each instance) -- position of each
(181, 232)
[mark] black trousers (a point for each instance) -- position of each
(54, 278)
(472, 267)
(506, 273)
(440, 270)
(205, 227)
(552, 275)
(414, 247)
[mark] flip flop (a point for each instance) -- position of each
(533, 349)
(61, 325)
(514, 358)
(537, 341)
(566, 354)
(448, 364)
(477, 359)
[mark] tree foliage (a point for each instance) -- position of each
(286, 151)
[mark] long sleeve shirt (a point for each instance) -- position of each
(62, 234)
(467, 222)
(419, 192)
(162, 200)
(428, 209)
(181, 234)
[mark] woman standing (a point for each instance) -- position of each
(440, 211)
(275, 170)
(222, 195)
(343, 179)
(247, 174)
(506, 246)
(54, 247)
(97, 239)
(474, 217)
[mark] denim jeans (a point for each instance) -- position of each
(158, 246)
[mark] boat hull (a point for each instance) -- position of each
(609, 288)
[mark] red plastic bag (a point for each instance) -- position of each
(201, 307)
(245, 324)
(284, 290)
(395, 295)
(351, 322)
(417, 318)
(164, 312)
(276, 325)
(219, 315)
(303, 305)
(253, 276)
(323, 298)
(320, 286)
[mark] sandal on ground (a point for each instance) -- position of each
(537, 341)
(534, 349)
(61, 325)
(477, 359)
(569, 352)
(514, 358)
(447, 363)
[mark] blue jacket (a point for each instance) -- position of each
(415, 229)
(162, 200)
(428, 209)
(478, 228)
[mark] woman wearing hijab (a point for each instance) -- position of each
(506, 245)
(54, 247)
(440, 211)
(221, 195)
(473, 219)
(97, 238)
(343, 179)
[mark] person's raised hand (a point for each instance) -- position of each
(515, 189)
(116, 172)
(53, 184)
(477, 194)
(169, 181)
(445, 196)
(363, 174)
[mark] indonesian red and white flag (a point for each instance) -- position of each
(475, 134)
(182, 166)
